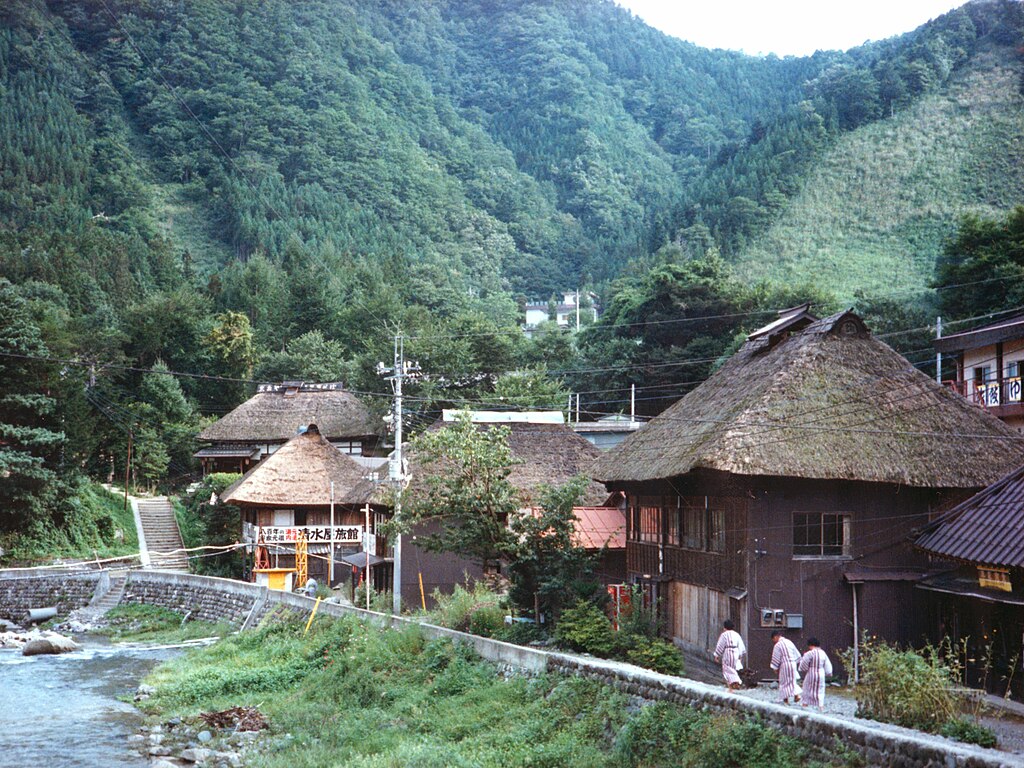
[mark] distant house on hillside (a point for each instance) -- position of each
(988, 367)
(290, 493)
(275, 414)
(568, 313)
(608, 431)
(782, 491)
(547, 451)
(981, 597)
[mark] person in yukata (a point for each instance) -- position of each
(815, 666)
(730, 650)
(785, 657)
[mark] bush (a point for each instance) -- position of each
(915, 689)
(520, 633)
(970, 732)
(656, 654)
(479, 610)
(584, 627)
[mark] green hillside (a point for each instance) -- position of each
(875, 208)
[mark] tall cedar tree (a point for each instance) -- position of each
(29, 442)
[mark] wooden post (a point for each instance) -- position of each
(127, 470)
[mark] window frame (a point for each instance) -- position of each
(842, 522)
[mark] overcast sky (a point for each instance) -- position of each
(786, 27)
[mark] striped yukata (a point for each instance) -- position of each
(785, 657)
(815, 667)
(729, 650)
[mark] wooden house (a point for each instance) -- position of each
(988, 367)
(783, 490)
(275, 414)
(981, 598)
(546, 452)
(292, 492)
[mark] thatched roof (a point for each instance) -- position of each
(988, 528)
(277, 415)
(299, 474)
(549, 454)
(826, 401)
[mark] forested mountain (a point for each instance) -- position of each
(197, 194)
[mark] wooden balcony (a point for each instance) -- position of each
(1001, 399)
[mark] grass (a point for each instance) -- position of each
(153, 624)
(353, 695)
(875, 209)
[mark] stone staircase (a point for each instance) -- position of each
(159, 534)
(104, 601)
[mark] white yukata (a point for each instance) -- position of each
(729, 650)
(815, 667)
(785, 657)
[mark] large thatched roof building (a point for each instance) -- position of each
(790, 480)
(275, 414)
(293, 490)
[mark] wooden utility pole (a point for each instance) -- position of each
(127, 469)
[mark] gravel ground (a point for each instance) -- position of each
(834, 705)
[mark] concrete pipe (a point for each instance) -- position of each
(36, 615)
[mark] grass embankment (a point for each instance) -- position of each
(153, 624)
(354, 695)
(95, 515)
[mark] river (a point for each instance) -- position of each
(67, 710)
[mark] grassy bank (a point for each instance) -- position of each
(353, 695)
(97, 524)
(132, 622)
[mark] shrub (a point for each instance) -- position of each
(915, 689)
(584, 627)
(656, 654)
(478, 610)
(970, 732)
(520, 633)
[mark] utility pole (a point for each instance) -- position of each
(330, 563)
(397, 374)
(938, 355)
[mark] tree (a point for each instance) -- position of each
(464, 498)
(548, 569)
(30, 443)
(530, 389)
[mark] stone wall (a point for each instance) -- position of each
(212, 599)
(19, 593)
(202, 598)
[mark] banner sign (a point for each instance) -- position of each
(318, 534)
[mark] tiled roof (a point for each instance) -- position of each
(987, 529)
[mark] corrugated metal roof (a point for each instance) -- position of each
(600, 526)
(987, 529)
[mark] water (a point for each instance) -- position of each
(65, 710)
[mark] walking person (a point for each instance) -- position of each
(785, 657)
(815, 666)
(730, 650)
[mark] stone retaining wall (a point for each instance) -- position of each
(213, 599)
(65, 591)
(203, 598)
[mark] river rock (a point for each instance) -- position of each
(160, 750)
(51, 643)
(204, 736)
(196, 754)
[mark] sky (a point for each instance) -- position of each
(786, 27)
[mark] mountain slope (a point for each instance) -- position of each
(875, 208)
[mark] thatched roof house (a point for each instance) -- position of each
(545, 453)
(275, 414)
(300, 473)
(805, 462)
(291, 491)
(821, 399)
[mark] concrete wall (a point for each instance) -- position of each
(214, 599)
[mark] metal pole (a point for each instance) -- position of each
(632, 403)
(330, 563)
(577, 309)
(938, 355)
(856, 638)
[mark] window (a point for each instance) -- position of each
(821, 534)
(650, 524)
(982, 374)
(701, 525)
(1013, 369)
